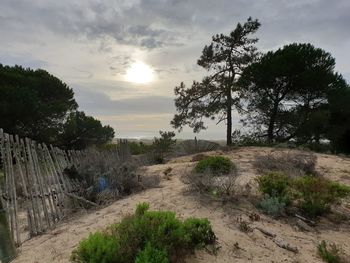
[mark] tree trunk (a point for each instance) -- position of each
(270, 135)
(229, 118)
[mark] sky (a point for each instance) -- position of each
(94, 45)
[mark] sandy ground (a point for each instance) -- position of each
(173, 194)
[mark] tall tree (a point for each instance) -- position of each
(224, 58)
(287, 88)
(338, 127)
(81, 131)
(33, 103)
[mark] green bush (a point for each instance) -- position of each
(198, 232)
(314, 195)
(137, 148)
(152, 255)
(147, 236)
(274, 184)
(97, 248)
(273, 206)
(329, 253)
(215, 164)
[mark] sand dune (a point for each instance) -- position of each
(236, 246)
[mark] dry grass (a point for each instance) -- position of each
(292, 163)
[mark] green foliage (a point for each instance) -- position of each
(215, 164)
(163, 145)
(272, 206)
(81, 131)
(198, 232)
(137, 148)
(147, 236)
(330, 253)
(274, 184)
(36, 104)
(316, 194)
(33, 103)
(297, 72)
(312, 194)
(141, 209)
(97, 248)
(338, 127)
(152, 255)
(224, 57)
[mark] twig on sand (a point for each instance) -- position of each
(279, 242)
(308, 221)
(268, 233)
(282, 244)
(81, 199)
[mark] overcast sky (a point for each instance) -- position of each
(90, 44)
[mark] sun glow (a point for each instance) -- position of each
(139, 72)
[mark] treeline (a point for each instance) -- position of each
(291, 94)
(36, 104)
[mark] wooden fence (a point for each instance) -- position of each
(34, 185)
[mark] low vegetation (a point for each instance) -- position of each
(195, 146)
(215, 164)
(292, 163)
(313, 195)
(214, 175)
(102, 178)
(331, 253)
(146, 236)
(273, 206)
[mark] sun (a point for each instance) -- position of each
(139, 72)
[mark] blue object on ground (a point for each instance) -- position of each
(102, 184)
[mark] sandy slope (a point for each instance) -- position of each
(57, 245)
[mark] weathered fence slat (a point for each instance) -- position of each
(36, 183)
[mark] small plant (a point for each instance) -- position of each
(274, 184)
(330, 253)
(243, 226)
(215, 164)
(145, 237)
(272, 206)
(167, 172)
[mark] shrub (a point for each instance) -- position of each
(97, 248)
(274, 184)
(313, 195)
(198, 232)
(215, 185)
(316, 194)
(272, 206)
(330, 253)
(293, 163)
(148, 236)
(215, 164)
(137, 148)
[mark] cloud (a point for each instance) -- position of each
(97, 103)
(90, 44)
